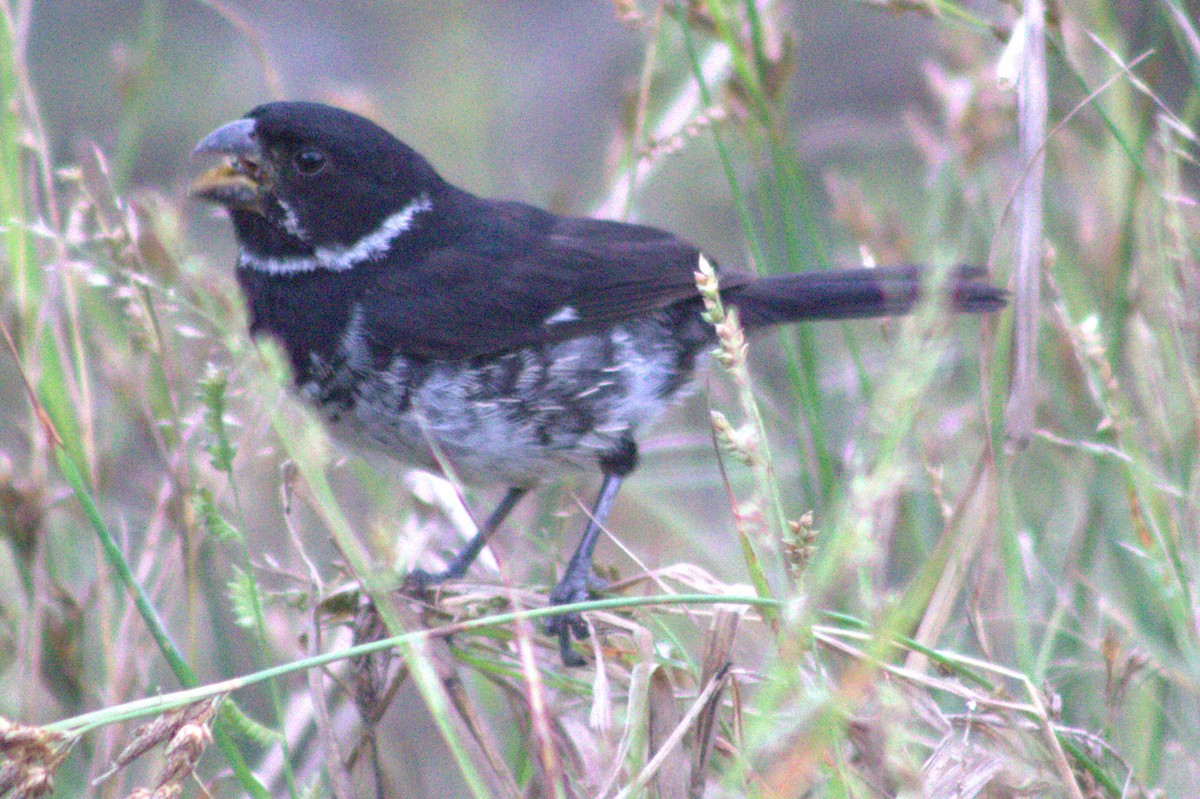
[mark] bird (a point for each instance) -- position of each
(504, 341)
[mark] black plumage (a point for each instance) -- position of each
(429, 323)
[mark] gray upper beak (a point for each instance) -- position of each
(242, 181)
(236, 138)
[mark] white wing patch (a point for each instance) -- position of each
(563, 315)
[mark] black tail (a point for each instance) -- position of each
(855, 293)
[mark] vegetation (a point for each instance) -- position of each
(932, 556)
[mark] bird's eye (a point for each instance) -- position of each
(310, 162)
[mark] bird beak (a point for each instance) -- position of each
(240, 182)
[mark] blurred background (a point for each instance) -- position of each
(865, 132)
(518, 99)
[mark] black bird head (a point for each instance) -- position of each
(307, 185)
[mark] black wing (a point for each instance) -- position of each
(512, 275)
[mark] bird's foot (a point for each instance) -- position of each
(571, 626)
(418, 582)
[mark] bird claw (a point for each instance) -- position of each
(418, 582)
(568, 627)
(571, 626)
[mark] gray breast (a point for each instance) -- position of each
(513, 418)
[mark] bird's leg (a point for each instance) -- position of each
(419, 579)
(615, 464)
(576, 580)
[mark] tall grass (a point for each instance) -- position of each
(933, 597)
